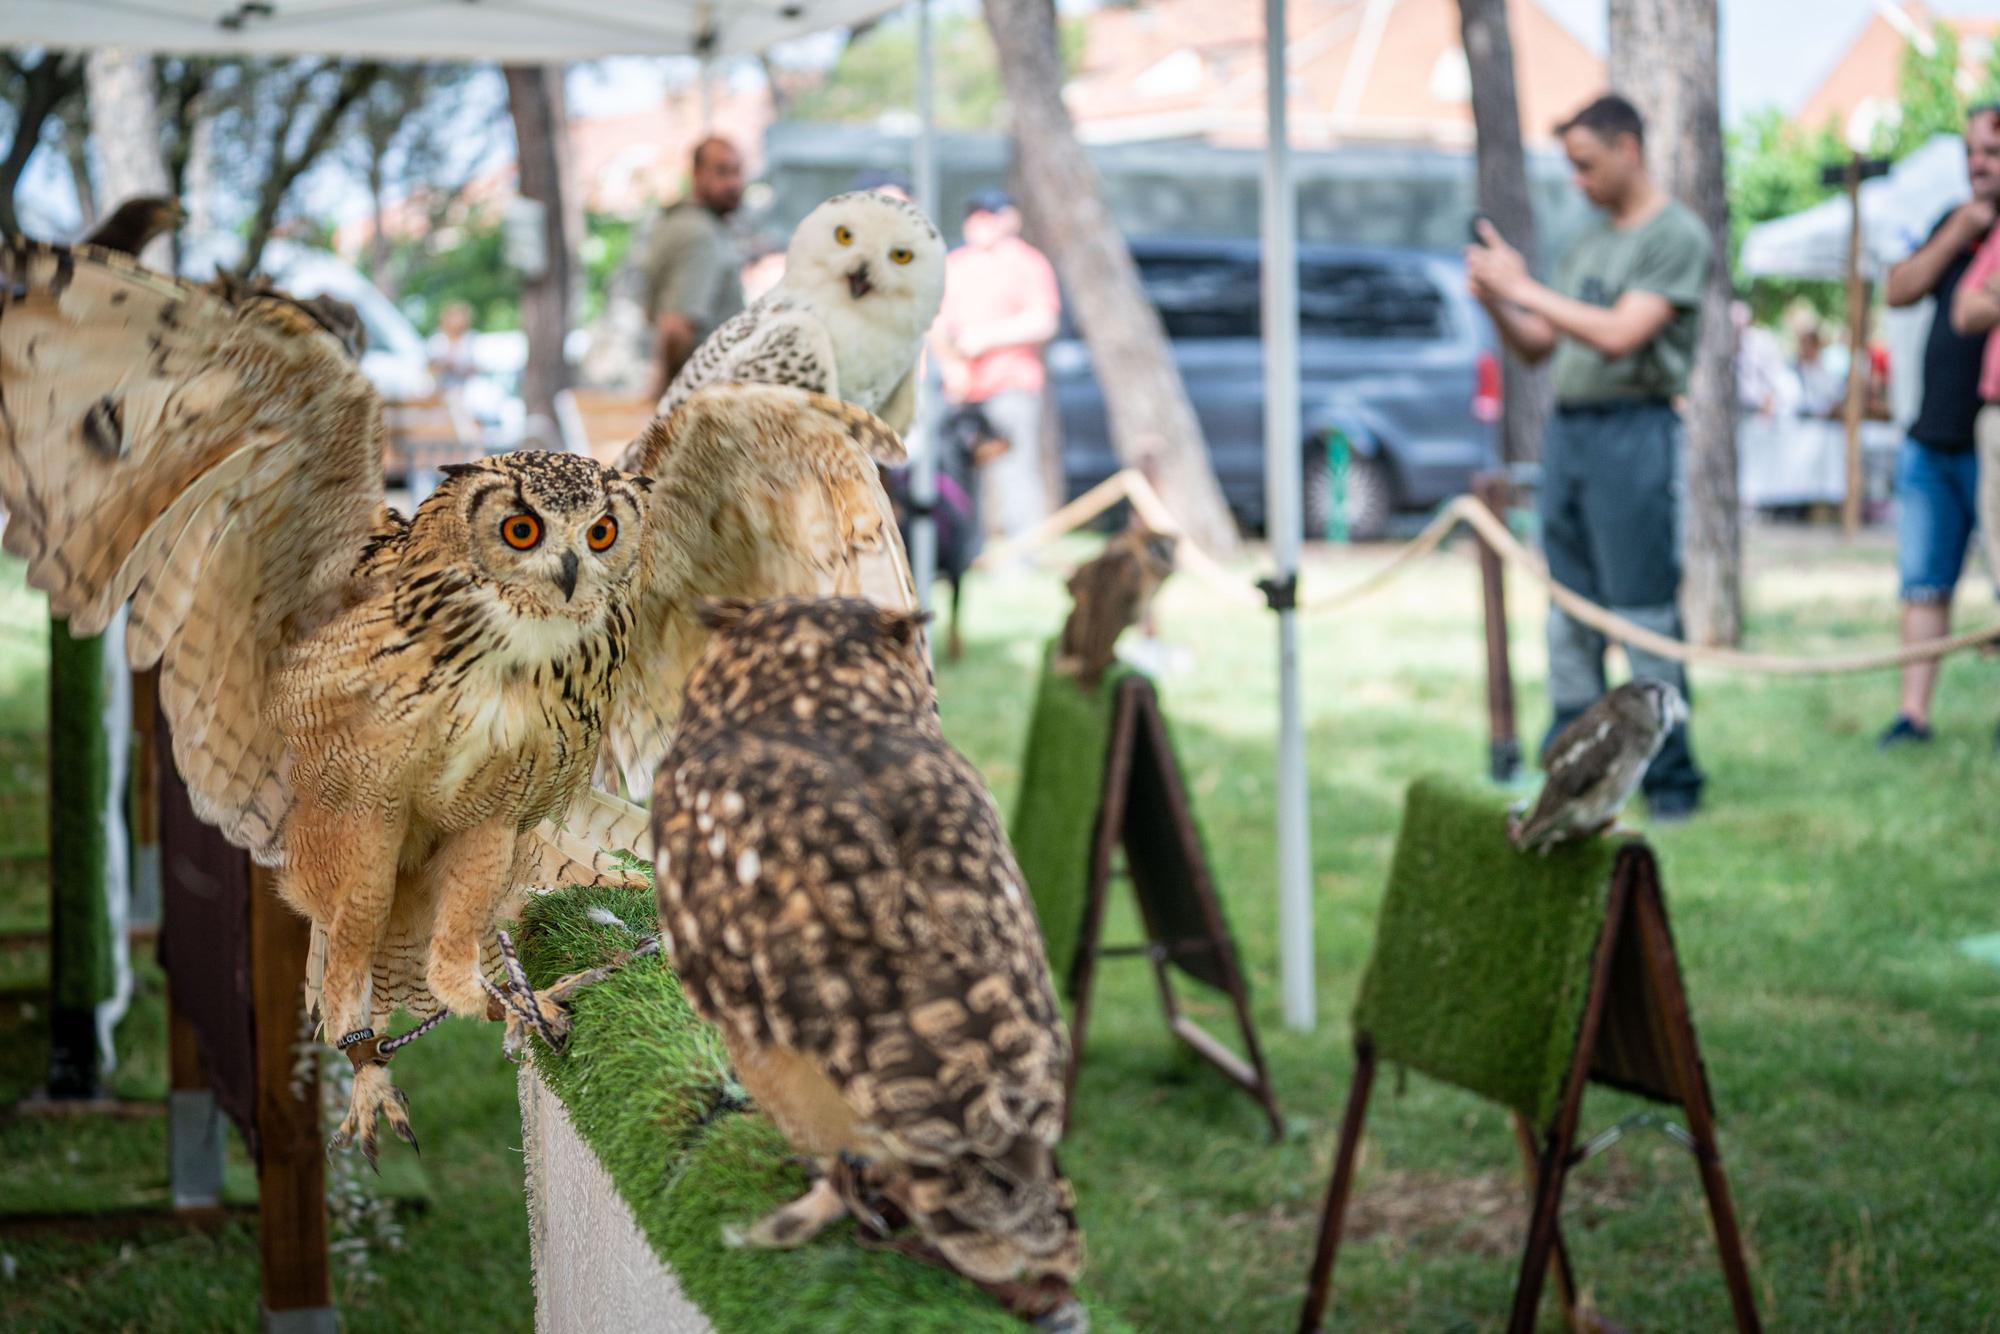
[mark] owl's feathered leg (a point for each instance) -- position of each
(471, 874)
(546, 1010)
(343, 864)
(793, 1224)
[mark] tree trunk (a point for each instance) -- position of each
(1148, 406)
(1663, 56)
(378, 235)
(125, 125)
(536, 110)
(76, 151)
(1503, 197)
(44, 88)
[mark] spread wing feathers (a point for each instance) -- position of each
(583, 846)
(760, 491)
(876, 924)
(217, 463)
(773, 342)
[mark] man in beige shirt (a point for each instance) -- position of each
(693, 272)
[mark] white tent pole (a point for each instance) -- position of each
(1283, 475)
(923, 446)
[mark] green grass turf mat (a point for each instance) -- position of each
(1482, 954)
(1062, 786)
(642, 1078)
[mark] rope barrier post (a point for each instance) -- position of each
(1495, 492)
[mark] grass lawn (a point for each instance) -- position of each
(1818, 903)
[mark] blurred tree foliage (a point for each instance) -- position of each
(463, 261)
(877, 74)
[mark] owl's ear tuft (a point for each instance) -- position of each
(461, 469)
(901, 627)
(640, 480)
(723, 613)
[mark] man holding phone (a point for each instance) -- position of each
(1621, 322)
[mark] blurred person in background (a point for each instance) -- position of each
(1937, 468)
(693, 273)
(1001, 305)
(1620, 326)
(449, 350)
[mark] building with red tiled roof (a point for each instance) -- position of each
(1861, 88)
(1361, 71)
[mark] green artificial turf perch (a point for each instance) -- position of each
(648, 1086)
(1062, 787)
(1482, 956)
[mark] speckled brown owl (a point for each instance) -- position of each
(839, 898)
(400, 715)
(1108, 594)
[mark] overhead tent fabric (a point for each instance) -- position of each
(529, 31)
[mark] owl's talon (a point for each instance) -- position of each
(793, 1224)
(374, 1096)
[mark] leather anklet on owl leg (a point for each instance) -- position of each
(375, 1094)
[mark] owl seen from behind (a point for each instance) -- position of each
(1108, 593)
(839, 898)
(1596, 762)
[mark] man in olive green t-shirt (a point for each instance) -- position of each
(693, 273)
(1621, 322)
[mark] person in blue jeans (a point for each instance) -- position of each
(1619, 325)
(1937, 468)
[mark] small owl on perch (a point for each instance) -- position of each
(839, 899)
(1109, 593)
(400, 715)
(1596, 762)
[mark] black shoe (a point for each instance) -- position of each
(1902, 732)
(1672, 807)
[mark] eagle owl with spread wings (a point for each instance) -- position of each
(400, 715)
(838, 896)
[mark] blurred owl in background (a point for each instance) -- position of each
(839, 898)
(1109, 593)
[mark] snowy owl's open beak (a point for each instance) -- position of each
(857, 281)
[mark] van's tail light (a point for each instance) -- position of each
(1486, 389)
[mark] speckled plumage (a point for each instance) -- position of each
(840, 899)
(847, 320)
(1596, 762)
(402, 716)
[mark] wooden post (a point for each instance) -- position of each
(1494, 491)
(145, 807)
(1857, 360)
(194, 1124)
(291, 1168)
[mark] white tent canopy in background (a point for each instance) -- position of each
(1897, 213)
(534, 31)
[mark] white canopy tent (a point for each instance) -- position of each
(1897, 213)
(533, 31)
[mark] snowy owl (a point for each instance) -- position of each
(863, 277)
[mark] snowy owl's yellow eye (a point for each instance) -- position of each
(902, 254)
(843, 235)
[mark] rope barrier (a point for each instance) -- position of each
(1131, 486)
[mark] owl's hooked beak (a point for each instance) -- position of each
(857, 280)
(566, 581)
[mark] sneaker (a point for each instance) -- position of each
(1902, 732)
(1672, 807)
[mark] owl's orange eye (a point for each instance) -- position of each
(520, 531)
(843, 235)
(902, 254)
(602, 534)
